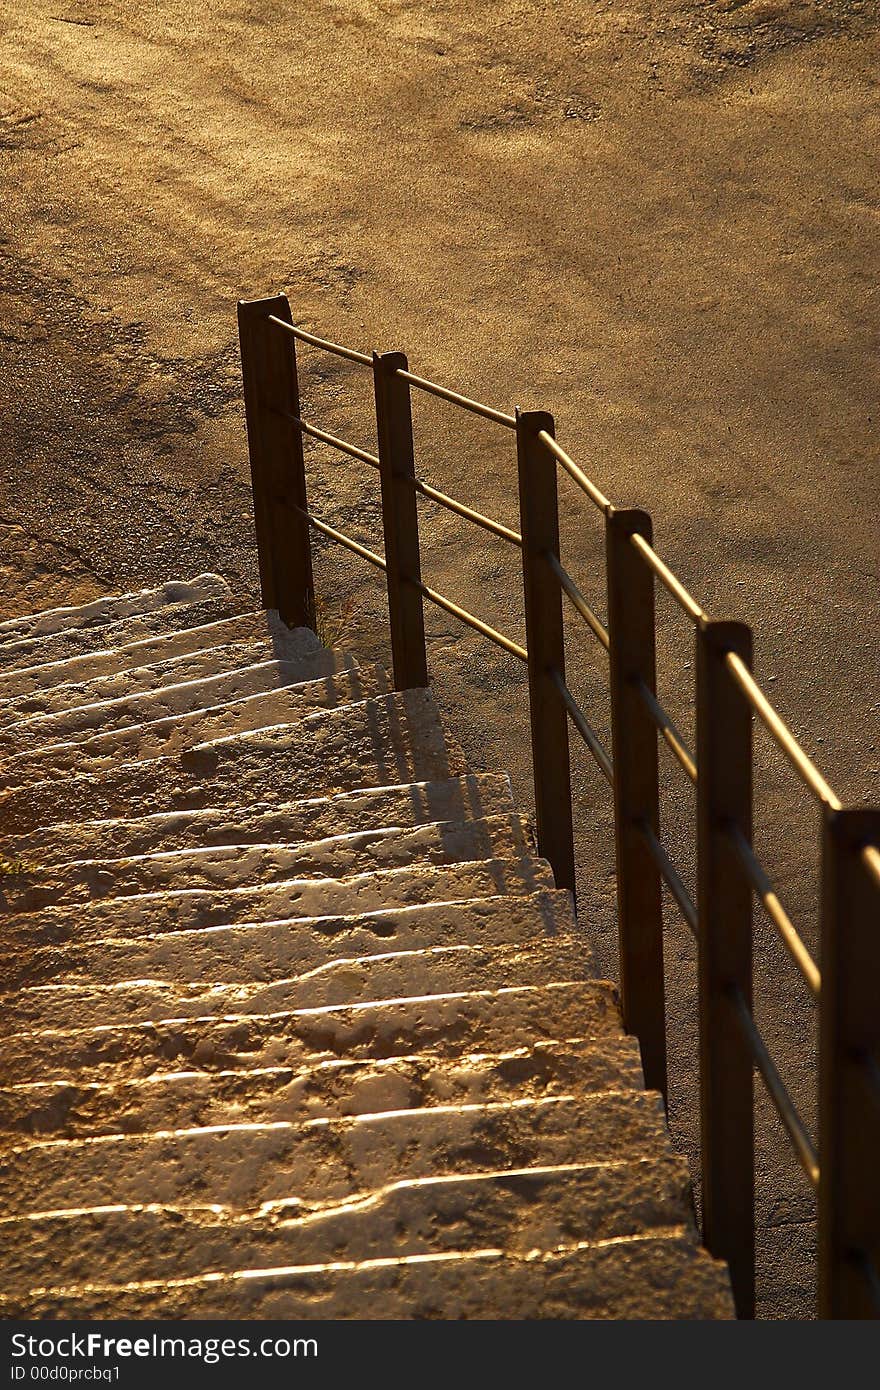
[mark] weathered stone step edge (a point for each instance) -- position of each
(391, 739)
(473, 795)
(625, 1278)
(176, 732)
(256, 949)
(106, 608)
(522, 1211)
(403, 974)
(445, 1025)
(26, 653)
(189, 1099)
(321, 1160)
(340, 856)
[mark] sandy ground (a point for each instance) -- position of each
(658, 221)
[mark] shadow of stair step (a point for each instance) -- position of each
(522, 1212)
(445, 1025)
(188, 1099)
(329, 1160)
(473, 796)
(392, 739)
(340, 856)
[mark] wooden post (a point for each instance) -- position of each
(545, 640)
(724, 799)
(400, 521)
(636, 789)
(271, 397)
(849, 1067)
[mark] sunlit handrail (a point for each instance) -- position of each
(668, 579)
(341, 539)
(469, 619)
(323, 343)
(576, 474)
(475, 407)
(871, 861)
(333, 440)
(571, 589)
(667, 728)
(583, 726)
(781, 732)
(453, 505)
(785, 1109)
(766, 895)
(671, 876)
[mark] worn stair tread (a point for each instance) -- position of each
(321, 1160)
(446, 969)
(177, 732)
(259, 950)
(182, 1099)
(226, 866)
(112, 607)
(472, 795)
(390, 739)
(445, 1025)
(299, 645)
(522, 1211)
(26, 653)
(193, 908)
(84, 721)
(649, 1276)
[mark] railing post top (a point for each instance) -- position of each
(534, 421)
(390, 362)
(278, 304)
(724, 635)
(630, 521)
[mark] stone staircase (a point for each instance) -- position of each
(296, 1023)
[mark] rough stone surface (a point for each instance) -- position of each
(112, 608)
(296, 1018)
(476, 795)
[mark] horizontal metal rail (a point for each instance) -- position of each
(794, 1127)
(576, 474)
(667, 728)
(583, 726)
(781, 732)
(453, 505)
(475, 407)
(341, 539)
(336, 348)
(871, 861)
(333, 440)
(468, 619)
(668, 579)
(768, 899)
(671, 876)
(570, 588)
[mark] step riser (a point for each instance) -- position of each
(447, 1027)
(395, 739)
(185, 1100)
(261, 951)
(453, 1215)
(242, 865)
(445, 971)
(112, 608)
(651, 1278)
(325, 1162)
(165, 737)
(473, 797)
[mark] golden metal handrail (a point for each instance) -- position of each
(475, 407)
(766, 895)
(667, 729)
(671, 876)
(668, 579)
(577, 475)
(583, 726)
(324, 343)
(571, 590)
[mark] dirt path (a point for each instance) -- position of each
(658, 221)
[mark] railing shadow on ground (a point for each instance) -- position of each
(842, 1168)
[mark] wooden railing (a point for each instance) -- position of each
(844, 1168)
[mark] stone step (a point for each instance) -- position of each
(444, 1025)
(80, 641)
(112, 607)
(64, 696)
(521, 1211)
(263, 950)
(348, 980)
(199, 1098)
(248, 1165)
(476, 795)
(392, 739)
(151, 914)
(644, 1277)
(169, 702)
(178, 732)
(226, 866)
